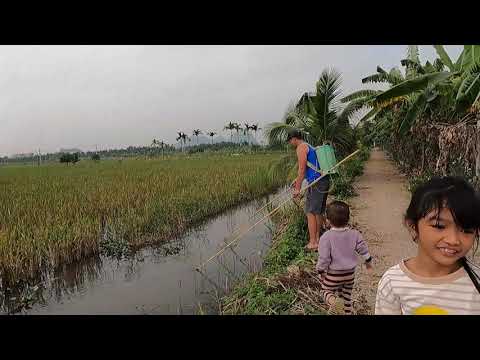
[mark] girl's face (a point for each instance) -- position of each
(441, 239)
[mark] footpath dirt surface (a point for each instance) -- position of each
(378, 214)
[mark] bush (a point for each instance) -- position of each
(69, 158)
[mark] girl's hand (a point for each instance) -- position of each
(369, 267)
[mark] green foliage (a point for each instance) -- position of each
(318, 118)
(343, 182)
(69, 158)
(290, 248)
(415, 181)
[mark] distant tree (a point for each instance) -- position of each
(255, 128)
(230, 126)
(211, 134)
(96, 157)
(69, 158)
(183, 138)
(197, 132)
(162, 145)
(159, 144)
(237, 129)
(246, 130)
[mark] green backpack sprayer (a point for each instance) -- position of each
(326, 158)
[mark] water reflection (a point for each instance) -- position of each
(156, 280)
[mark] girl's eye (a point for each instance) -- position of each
(438, 226)
(468, 231)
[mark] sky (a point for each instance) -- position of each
(74, 96)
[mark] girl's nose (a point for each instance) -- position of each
(453, 237)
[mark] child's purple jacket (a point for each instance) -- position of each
(338, 249)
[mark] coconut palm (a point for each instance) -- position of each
(318, 116)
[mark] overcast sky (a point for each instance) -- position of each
(115, 96)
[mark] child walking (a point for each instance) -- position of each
(337, 258)
(444, 220)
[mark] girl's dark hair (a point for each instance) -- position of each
(338, 213)
(455, 194)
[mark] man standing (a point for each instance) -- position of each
(316, 196)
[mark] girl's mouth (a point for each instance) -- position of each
(448, 251)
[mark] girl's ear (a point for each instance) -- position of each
(412, 229)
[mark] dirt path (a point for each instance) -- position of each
(378, 213)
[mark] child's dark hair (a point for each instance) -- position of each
(338, 213)
(455, 194)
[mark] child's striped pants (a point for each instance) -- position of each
(341, 282)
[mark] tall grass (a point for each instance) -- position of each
(58, 214)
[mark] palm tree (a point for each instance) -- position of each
(197, 132)
(211, 134)
(318, 116)
(154, 144)
(162, 145)
(255, 128)
(246, 129)
(230, 126)
(237, 128)
(183, 138)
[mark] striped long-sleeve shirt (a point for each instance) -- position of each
(401, 292)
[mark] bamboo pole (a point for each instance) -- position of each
(239, 236)
(271, 201)
(277, 197)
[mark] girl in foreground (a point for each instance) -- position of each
(444, 220)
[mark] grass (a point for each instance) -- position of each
(56, 214)
(288, 283)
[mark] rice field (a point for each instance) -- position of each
(55, 214)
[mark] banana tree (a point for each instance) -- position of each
(420, 88)
(448, 93)
(468, 63)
